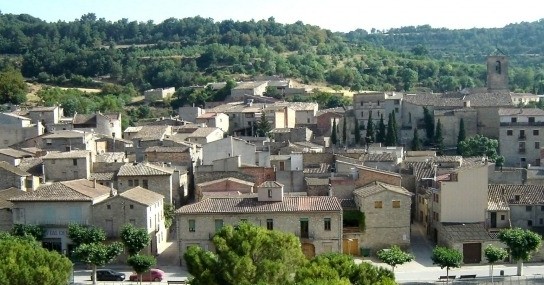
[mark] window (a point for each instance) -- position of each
(145, 183)
(535, 132)
(396, 109)
(131, 206)
(537, 145)
(396, 204)
(218, 225)
(308, 120)
(269, 193)
(192, 226)
(136, 182)
(269, 224)
(53, 161)
(377, 204)
(130, 182)
(542, 208)
(435, 216)
(108, 207)
(529, 222)
(396, 101)
(362, 103)
(503, 217)
(528, 208)
(327, 224)
(282, 165)
(509, 132)
(513, 120)
(531, 119)
(521, 134)
(28, 183)
(516, 197)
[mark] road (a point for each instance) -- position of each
(83, 276)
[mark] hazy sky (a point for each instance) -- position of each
(338, 15)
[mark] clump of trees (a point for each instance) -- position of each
(481, 146)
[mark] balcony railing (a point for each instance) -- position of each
(522, 137)
(521, 124)
(305, 235)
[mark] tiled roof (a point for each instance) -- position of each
(84, 119)
(388, 157)
(8, 194)
(62, 134)
(203, 132)
(73, 190)
(316, 181)
(67, 154)
(321, 168)
(280, 130)
(456, 232)
(249, 85)
(236, 180)
(521, 112)
(32, 165)
(32, 150)
(280, 157)
(227, 194)
(149, 132)
(143, 169)
(110, 157)
(299, 106)
(457, 99)
(376, 187)
(42, 109)
(253, 205)
(14, 153)
(10, 168)
(167, 149)
(348, 204)
(502, 195)
(16, 116)
(142, 196)
(338, 110)
(102, 176)
(270, 184)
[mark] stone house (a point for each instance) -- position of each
(521, 99)
(11, 176)
(15, 129)
(325, 119)
(223, 186)
(46, 115)
(521, 132)
(159, 94)
(137, 206)
(67, 140)
(301, 134)
(317, 186)
(69, 165)
(56, 206)
(280, 116)
(216, 120)
(13, 156)
(386, 210)
(228, 147)
(305, 112)
(318, 223)
(375, 105)
(104, 124)
(205, 135)
(143, 137)
(254, 88)
(190, 114)
(289, 171)
(6, 217)
(176, 155)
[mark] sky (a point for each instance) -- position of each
(337, 16)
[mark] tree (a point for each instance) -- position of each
(169, 214)
(370, 129)
(438, 138)
(381, 134)
(264, 126)
(480, 146)
(246, 254)
(35, 231)
(462, 135)
(334, 138)
(494, 254)
(416, 142)
(24, 261)
(429, 124)
(134, 239)
(446, 257)
(344, 131)
(521, 244)
(390, 135)
(12, 87)
(89, 246)
(357, 132)
(141, 264)
(394, 256)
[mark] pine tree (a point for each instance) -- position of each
(438, 138)
(357, 132)
(429, 124)
(380, 134)
(390, 136)
(370, 129)
(462, 135)
(416, 142)
(333, 132)
(344, 132)
(264, 126)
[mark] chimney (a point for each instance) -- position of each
(94, 183)
(112, 191)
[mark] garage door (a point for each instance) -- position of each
(350, 246)
(472, 252)
(308, 249)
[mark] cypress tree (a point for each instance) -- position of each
(370, 129)
(462, 135)
(357, 132)
(429, 124)
(438, 138)
(396, 139)
(416, 142)
(390, 136)
(344, 132)
(333, 132)
(380, 134)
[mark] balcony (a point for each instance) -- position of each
(305, 235)
(522, 137)
(521, 124)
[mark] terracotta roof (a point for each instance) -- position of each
(167, 149)
(348, 204)
(143, 169)
(253, 205)
(227, 194)
(270, 184)
(456, 99)
(102, 176)
(521, 112)
(7, 194)
(142, 196)
(236, 180)
(110, 157)
(149, 132)
(500, 196)
(14, 153)
(388, 157)
(376, 187)
(316, 181)
(299, 106)
(10, 168)
(67, 154)
(73, 190)
(16, 116)
(203, 132)
(321, 168)
(66, 134)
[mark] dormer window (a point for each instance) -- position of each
(269, 193)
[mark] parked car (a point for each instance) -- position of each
(151, 275)
(105, 274)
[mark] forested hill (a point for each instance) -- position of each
(190, 51)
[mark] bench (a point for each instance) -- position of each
(444, 277)
(467, 276)
(177, 282)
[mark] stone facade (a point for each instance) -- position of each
(159, 94)
(521, 134)
(228, 147)
(223, 185)
(61, 166)
(161, 184)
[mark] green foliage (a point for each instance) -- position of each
(344, 131)
(416, 141)
(354, 218)
(134, 239)
(494, 254)
(446, 257)
(246, 254)
(169, 215)
(264, 126)
(381, 133)
(370, 129)
(334, 138)
(521, 243)
(80, 234)
(12, 87)
(438, 138)
(24, 261)
(480, 146)
(429, 124)
(357, 131)
(462, 134)
(35, 231)
(98, 254)
(394, 256)
(141, 263)
(390, 136)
